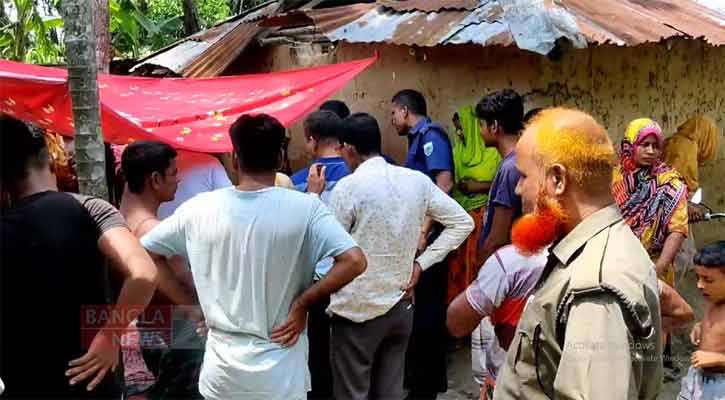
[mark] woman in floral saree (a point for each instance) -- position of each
(651, 195)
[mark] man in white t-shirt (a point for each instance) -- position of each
(252, 250)
(198, 173)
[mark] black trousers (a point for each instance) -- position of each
(176, 372)
(318, 335)
(425, 374)
(176, 368)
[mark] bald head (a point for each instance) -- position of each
(576, 141)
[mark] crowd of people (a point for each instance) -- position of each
(556, 253)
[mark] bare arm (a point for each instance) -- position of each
(500, 234)
(457, 226)
(708, 359)
(347, 267)
(675, 310)
(141, 275)
(124, 251)
(471, 186)
(169, 283)
(669, 251)
(461, 318)
(444, 180)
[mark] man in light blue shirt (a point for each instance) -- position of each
(252, 250)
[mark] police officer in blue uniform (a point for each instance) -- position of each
(430, 152)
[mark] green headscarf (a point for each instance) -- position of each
(472, 160)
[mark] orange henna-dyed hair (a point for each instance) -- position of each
(575, 140)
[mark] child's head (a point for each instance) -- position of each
(710, 269)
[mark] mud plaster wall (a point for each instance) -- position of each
(668, 81)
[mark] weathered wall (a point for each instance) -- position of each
(668, 82)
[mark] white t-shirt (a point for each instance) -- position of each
(198, 173)
(251, 254)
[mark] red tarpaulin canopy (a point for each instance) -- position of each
(191, 114)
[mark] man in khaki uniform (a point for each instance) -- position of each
(591, 330)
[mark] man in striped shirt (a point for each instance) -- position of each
(499, 293)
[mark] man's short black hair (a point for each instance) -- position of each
(143, 158)
(361, 131)
(258, 141)
(505, 106)
(531, 114)
(322, 125)
(336, 106)
(712, 255)
(22, 148)
(413, 100)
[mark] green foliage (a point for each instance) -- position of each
(211, 12)
(29, 37)
(133, 34)
(137, 27)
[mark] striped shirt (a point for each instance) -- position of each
(502, 288)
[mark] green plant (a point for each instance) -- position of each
(133, 34)
(210, 11)
(137, 27)
(30, 37)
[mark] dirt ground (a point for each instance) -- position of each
(462, 387)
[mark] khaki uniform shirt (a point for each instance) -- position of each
(591, 330)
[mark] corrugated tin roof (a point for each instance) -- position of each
(718, 5)
(630, 22)
(533, 25)
(429, 5)
(209, 52)
(528, 24)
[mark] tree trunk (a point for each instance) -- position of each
(20, 33)
(103, 37)
(236, 6)
(143, 6)
(80, 41)
(191, 17)
(4, 20)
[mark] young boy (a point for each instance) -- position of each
(706, 378)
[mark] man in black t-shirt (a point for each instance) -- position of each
(54, 251)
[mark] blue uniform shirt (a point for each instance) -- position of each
(430, 149)
(335, 169)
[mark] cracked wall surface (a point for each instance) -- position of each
(669, 82)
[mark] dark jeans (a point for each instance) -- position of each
(426, 357)
(176, 368)
(368, 358)
(318, 335)
(176, 372)
(425, 373)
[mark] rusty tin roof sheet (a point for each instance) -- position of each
(429, 5)
(631, 22)
(533, 25)
(209, 52)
